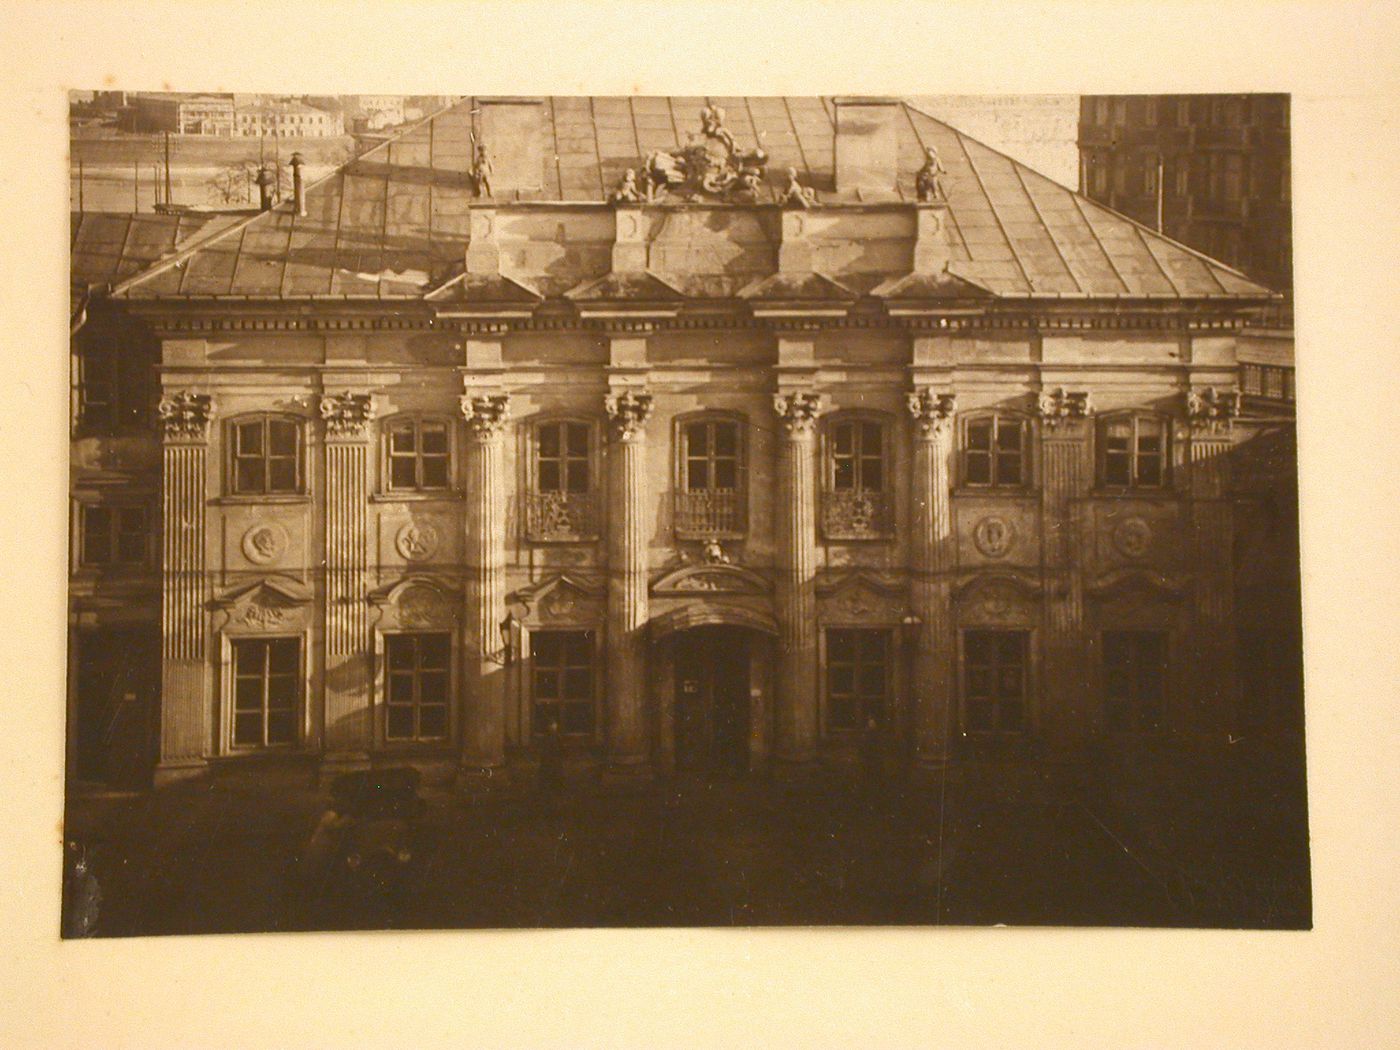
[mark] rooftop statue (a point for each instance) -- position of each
(481, 171)
(626, 191)
(929, 181)
(709, 164)
(797, 195)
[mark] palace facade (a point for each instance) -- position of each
(700, 433)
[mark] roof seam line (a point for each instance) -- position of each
(1098, 242)
(1049, 236)
(991, 206)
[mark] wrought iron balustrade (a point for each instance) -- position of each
(857, 514)
(561, 516)
(710, 512)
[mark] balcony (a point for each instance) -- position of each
(857, 514)
(561, 517)
(710, 513)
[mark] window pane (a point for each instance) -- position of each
(979, 435)
(578, 439)
(97, 535)
(579, 648)
(249, 439)
(578, 718)
(577, 480)
(841, 679)
(282, 475)
(434, 439)
(544, 647)
(434, 651)
(870, 438)
(401, 687)
(726, 439)
(726, 474)
(247, 729)
(979, 468)
(697, 439)
(435, 472)
(402, 439)
(432, 687)
(284, 655)
(578, 684)
(1009, 468)
(871, 680)
(247, 694)
(841, 713)
(400, 652)
(697, 476)
(1009, 437)
(282, 691)
(401, 472)
(843, 439)
(547, 684)
(399, 722)
(549, 476)
(1116, 468)
(840, 646)
(248, 475)
(282, 437)
(873, 475)
(432, 721)
(845, 473)
(1149, 470)
(548, 436)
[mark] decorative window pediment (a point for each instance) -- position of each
(271, 603)
(726, 579)
(861, 596)
(560, 597)
(1122, 582)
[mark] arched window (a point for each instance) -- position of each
(417, 454)
(711, 491)
(1132, 451)
(562, 504)
(265, 456)
(856, 490)
(995, 451)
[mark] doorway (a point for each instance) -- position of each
(712, 699)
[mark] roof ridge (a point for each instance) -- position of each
(179, 257)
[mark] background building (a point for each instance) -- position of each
(707, 474)
(1213, 168)
(180, 114)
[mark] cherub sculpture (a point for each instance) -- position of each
(797, 195)
(929, 181)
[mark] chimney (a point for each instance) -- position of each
(512, 130)
(867, 150)
(298, 187)
(264, 189)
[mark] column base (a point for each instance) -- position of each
(176, 771)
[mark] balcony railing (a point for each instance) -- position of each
(712, 512)
(560, 517)
(857, 514)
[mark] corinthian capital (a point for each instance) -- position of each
(798, 410)
(486, 414)
(628, 413)
(347, 414)
(932, 411)
(1061, 405)
(185, 415)
(1212, 409)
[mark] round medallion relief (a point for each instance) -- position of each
(417, 541)
(994, 536)
(1132, 537)
(264, 543)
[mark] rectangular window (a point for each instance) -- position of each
(857, 457)
(857, 677)
(994, 452)
(710, 500)
(994, 681)
(417, 683)
(1133, 452)
(116, 389)
(113, 536)
(266, 679)
(418, 455)
(1135, 680)
(562, 458)
(266, 457)
(562, 681)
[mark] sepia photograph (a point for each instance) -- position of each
(576, 511)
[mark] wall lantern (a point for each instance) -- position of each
(510, 632)
(910, 627)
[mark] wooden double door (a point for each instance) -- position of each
(712, 699)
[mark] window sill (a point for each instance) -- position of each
(858, 537)
(432, 496)
(271, 497)
(562, 541)
(995, 492)
(700, 537)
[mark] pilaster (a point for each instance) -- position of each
(1064, 424)
(348, 733)
(796, 538)
(932, 690)
(185, 735)
(483, 710)
(628, 410)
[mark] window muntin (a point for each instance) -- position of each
(561, 504)
(417, 684)
(113, 535)
(994, 681)
(266, 679)
(418, 453)
(994, 452)
(1135, 680)
(857, 677)
(266, 456)
(562, 681)
(1133, 452)
(711, 456)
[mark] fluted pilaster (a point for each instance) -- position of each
(1065, 482)
(484, 731)
(184, 723)
(796, 557)
(931, 557)
(1212, 529)
(628, 413)
(347, 417)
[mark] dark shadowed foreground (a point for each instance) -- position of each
(1093, 845)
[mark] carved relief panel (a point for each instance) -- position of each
(997, 531)
(998, 599)
(1131, 533)
(417, 603)
(412, 537)
(266, 538)
(861, 598)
